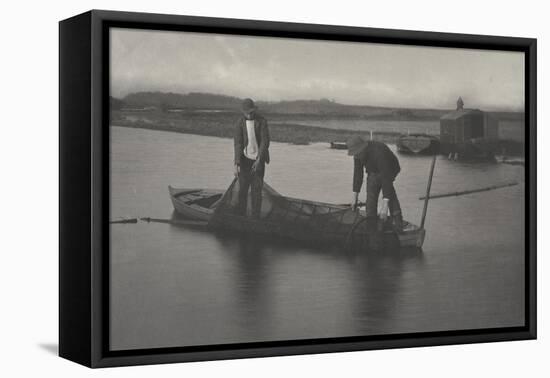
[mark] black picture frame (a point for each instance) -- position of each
(84, 187)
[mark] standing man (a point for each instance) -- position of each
(382, 168)
(251, 142)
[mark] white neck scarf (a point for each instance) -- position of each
(251, 150)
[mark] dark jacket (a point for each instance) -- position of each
(240, 139)
(376, 158)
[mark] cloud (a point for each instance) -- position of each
(278, 69)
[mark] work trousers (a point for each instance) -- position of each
(252, 181)
(374, 186)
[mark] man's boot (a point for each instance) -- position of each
(398, 222)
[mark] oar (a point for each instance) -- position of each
(177, 222)
(126, 220)
(359, 204)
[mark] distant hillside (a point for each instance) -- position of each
(115, 103)
(330, 108)
(323, 107)
(304, 107)
(181, 101)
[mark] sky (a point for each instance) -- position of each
(274, 69)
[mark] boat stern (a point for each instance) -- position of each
(412, 238)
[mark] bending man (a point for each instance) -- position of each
(382, 168)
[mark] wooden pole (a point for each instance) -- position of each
(464, 192)
(428, 188)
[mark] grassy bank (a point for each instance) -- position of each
(222, 124)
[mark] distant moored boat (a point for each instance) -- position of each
(418, 144)
(338, 145)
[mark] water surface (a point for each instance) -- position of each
(174, 286)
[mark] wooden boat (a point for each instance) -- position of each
(338, 145)
(418, 144)
(200, 204)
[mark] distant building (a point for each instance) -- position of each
(461, 126)
(467, 129)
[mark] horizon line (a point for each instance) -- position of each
(507, 110)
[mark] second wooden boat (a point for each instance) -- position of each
(418, 144)
(338, 145)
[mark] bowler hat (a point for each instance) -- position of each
(355, 145)
(248, 105)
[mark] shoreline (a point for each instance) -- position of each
(222, 126)
(279, 132)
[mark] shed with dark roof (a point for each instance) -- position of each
(466, 125)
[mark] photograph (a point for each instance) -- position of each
(269, 189)
(235, 189)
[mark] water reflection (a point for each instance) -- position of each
(378, 278)
(251, 284)
(375, 278)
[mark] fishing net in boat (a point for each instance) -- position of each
(284, 216)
